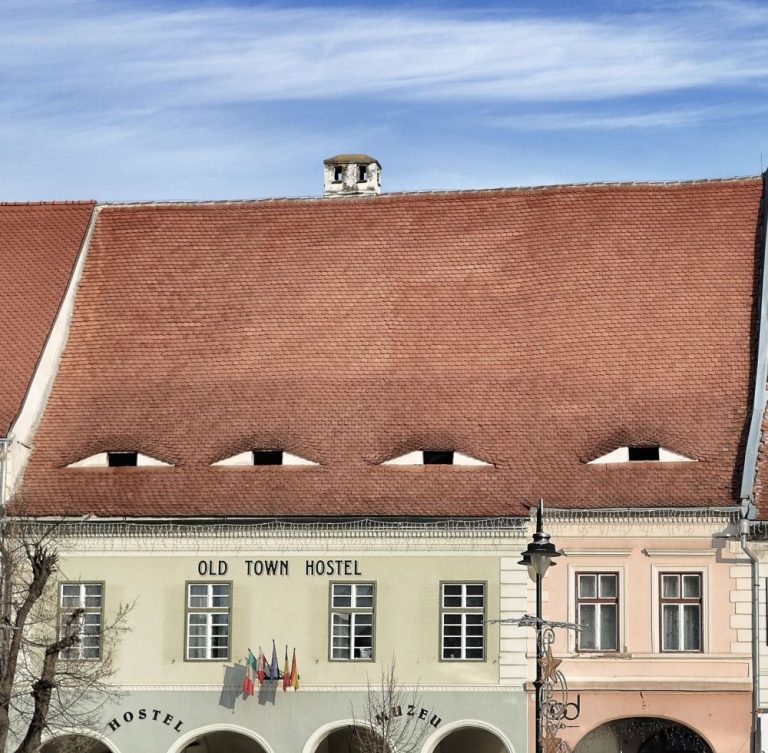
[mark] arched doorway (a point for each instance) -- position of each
(473, 739)
(642, 735)
(223, 741)
(351, 739)
(75, 744)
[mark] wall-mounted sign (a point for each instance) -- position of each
(261, 568)
(411, 709)
(145, 715)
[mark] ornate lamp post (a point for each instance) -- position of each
(537, 558)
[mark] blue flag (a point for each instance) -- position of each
(274, 670)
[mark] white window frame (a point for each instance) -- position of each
(681, 601)
(463, 611)
(356, 609)
(209, 611)
(598, 601)
(598, 560)
(673, 567)
(87, 647)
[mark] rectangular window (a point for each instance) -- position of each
(597, 611)
(89, 597)
(352, 620)
(208, 620)
(462, 621)
(681, 611)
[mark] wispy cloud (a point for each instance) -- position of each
(205, 54)
(184, 98)
(592, 120)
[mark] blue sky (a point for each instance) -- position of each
(215, 99)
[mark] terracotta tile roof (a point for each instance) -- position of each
(38, 248)
(534, 328)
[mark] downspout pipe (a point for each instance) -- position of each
(5, 444)
(744, 527)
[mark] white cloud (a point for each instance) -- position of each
(210, 55)
(631, 119)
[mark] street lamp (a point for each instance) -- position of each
(537, 558)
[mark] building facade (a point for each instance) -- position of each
(322, 422)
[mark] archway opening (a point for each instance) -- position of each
(351, 739)
(642, 735)
(74, 744)
(223, 742)
(471, 738)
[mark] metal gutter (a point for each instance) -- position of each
(749, 471)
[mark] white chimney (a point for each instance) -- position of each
(351, 175)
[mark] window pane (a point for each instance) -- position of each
(452, 595)
(342, 595)
(198, 596)
(608, 627)
(691, 586)
(587, 620)
(670, 618)
(692, 623)
(670, 586)
(587, 589)
(608, 586)
(220, 595)
(70, 596)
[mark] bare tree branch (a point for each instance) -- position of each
(46, 686)
(389, 724)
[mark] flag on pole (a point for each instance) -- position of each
(249, 682)
(294, 672)
(262, 666)
(274, 669)
(286, 672)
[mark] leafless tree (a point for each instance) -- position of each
(390, 721)
(46, 687)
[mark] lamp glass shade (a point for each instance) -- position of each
(539, 564)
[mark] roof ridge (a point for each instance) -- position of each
(430, 192)
(58, 202)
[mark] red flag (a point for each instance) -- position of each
(294, 672)
(262, 671)
(286, 673)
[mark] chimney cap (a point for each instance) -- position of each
(347, 159)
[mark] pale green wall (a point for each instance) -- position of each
(293, 610)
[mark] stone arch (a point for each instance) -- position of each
(78, 742)
(220, 737)
(643, 734)
(468, 734)
(334, 737)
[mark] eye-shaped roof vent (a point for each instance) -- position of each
(641, 453)
(435, 457)
(118, 459)
(264, 457)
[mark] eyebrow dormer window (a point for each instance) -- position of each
(641, 454)
(118, 459)
(435, 457)
(264, 457)
(122, 459)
